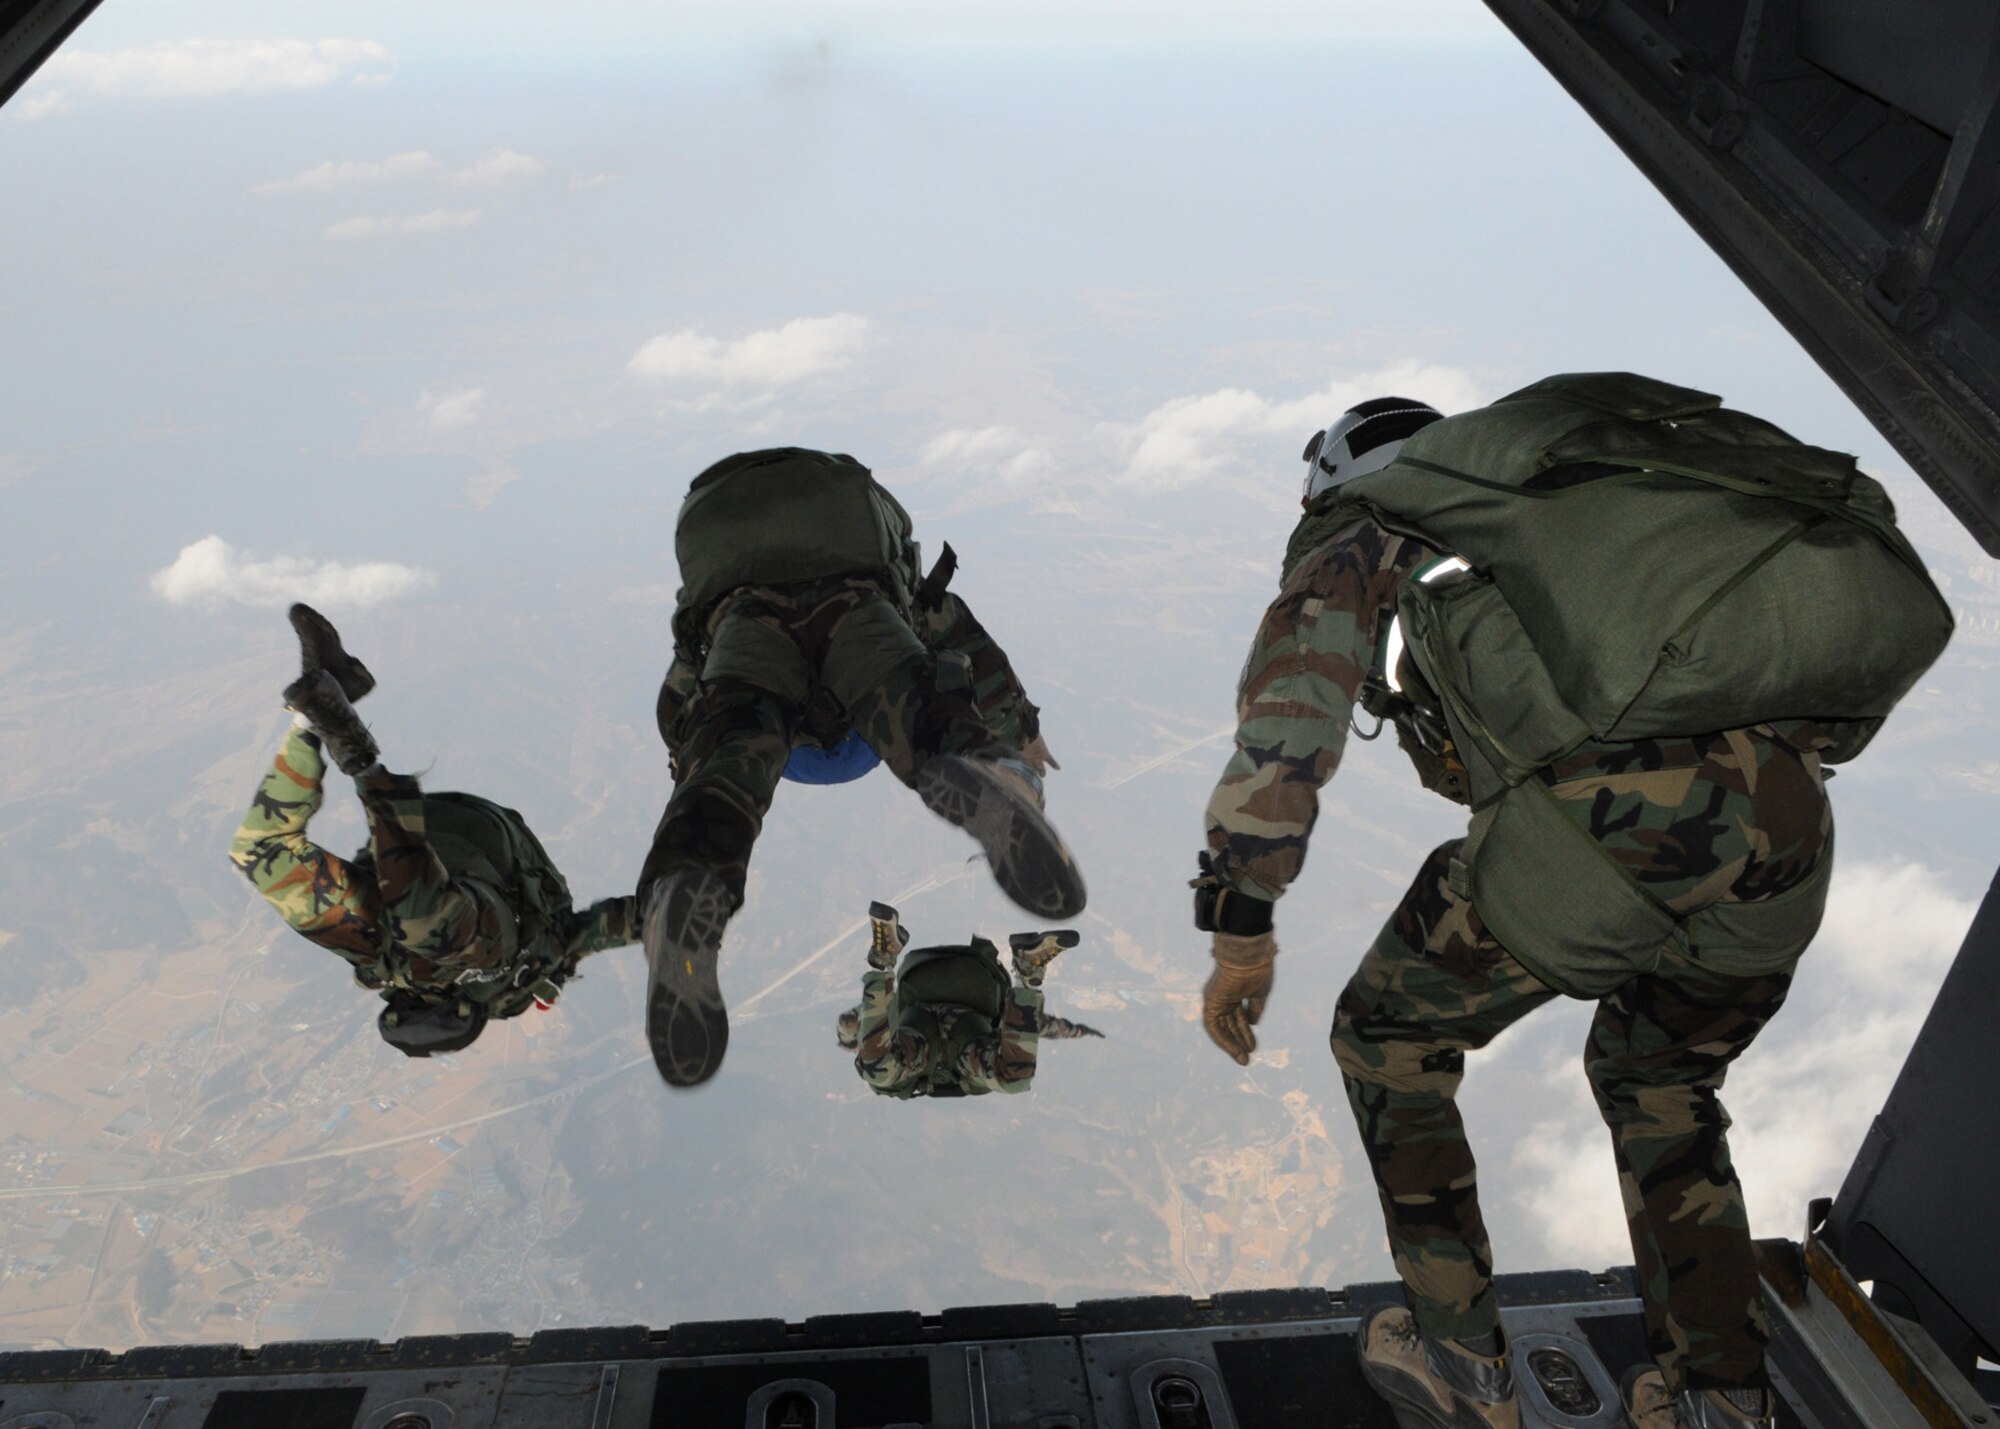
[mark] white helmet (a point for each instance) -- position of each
(1366, 438)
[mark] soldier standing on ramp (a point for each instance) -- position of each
(1627, 626)
(454, 913)
(947, 1022)
(805, 620)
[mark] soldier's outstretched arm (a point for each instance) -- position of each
(1011, 716)
(1296, 702)
(607, 923)
(1004, 1059)
(1062, 1029)
(1293, 708)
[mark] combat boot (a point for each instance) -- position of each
(1649, 1405)
(320, 649)
(999, 802)
(1033, 952)
(1432, 1384)
(317, 696)
(686, 1023)
(887, 937)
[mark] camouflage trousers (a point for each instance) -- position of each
(771, 650)
(1746, 821)
(398, 917)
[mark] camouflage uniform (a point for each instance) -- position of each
(406, 922)
(804, 663)
(1703, 824)
(1057, 1029)
(891, 1056)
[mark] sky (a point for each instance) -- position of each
(427, 314)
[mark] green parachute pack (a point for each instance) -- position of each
(788, 515)
(1644, 562)
(967, 976)
(478, 839)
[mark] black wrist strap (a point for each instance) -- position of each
(1241, 914)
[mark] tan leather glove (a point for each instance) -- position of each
(1233, 1001)
(1037, 757)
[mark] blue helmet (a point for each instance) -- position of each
(842, 764)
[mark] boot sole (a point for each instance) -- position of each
(1028, 858)
(687, 1025)
(1410, 1415)
(320, 649)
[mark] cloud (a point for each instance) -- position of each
(1002, 451)
(436, 221)
(500, 167)
(347, 173)
(39, 105)
(178, 68)
(452, 411)
(802, 348)
(1188, 439)
(212, 572)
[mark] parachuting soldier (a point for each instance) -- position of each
(946, 1021)
(1627, 626)
(454, 913)
(808, 637)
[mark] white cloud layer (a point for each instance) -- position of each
(39, 105)
(178, 68)
(212, 572)
(452, 411)
(502, 166)
(1802, 1097)
(438, 220)
(1189, 439)
(802, 348)
(1001, 451)
(349, 173)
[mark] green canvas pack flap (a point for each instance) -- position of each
(1556, 901)
(1620, 394)
(964, 975)
(788, 515)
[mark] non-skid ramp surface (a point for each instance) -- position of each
(1265, 1359)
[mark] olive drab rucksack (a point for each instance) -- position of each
(787, 515)
(967, 976)
(479, 839)
(1643, 562)
(1646, 562)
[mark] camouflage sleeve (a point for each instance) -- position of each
(1062, 1029)
(607, 923)
(1004, 1059)
(1012, 717)
(885, 1055)
(313, 890)
(455, 930)
(1296, 700)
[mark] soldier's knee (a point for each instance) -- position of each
(1393, 1063)
(732, 712)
